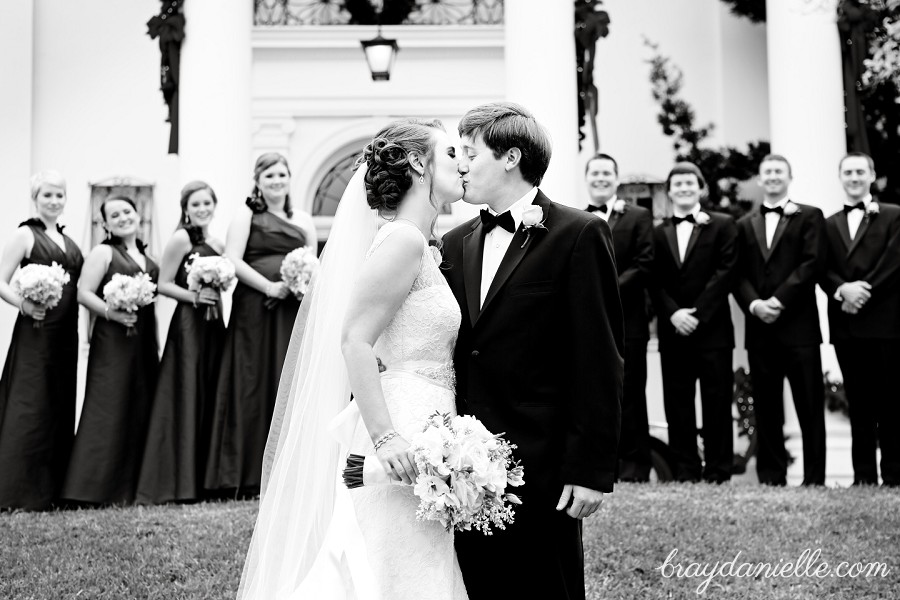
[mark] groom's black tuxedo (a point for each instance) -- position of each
(540, 361)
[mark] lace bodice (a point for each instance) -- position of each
(422, 335)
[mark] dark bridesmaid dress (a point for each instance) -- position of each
(255, 346)
(37, 388)
(180, 421)
(121, 376)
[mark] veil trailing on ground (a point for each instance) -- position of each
(300, 466)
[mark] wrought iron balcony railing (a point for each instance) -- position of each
(275, 13)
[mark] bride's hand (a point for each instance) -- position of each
(397, 460)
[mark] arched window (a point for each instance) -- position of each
(332, 187)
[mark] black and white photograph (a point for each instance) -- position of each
(450, 299)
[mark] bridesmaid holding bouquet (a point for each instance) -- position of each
(122, 365)
(262, 318)
(180, 421)
(37, 388)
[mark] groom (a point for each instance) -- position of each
(539, 354)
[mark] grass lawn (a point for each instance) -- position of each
(179, 552)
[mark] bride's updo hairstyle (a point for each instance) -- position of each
(389, 174)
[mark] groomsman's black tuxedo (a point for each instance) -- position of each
(789, 347)
(868, 343)
(702, 281)
(632, 233)
(541, 362)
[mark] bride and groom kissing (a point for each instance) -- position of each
(515, 320)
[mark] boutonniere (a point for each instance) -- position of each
(791, 209)
(619, 207)
(872, 209)
(702, 219)
(532, 219)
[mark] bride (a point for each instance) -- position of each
(378, 303)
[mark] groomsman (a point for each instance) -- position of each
(782, 249)
(862, 280)
(631, 228)
(696, 257)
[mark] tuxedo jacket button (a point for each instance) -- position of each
(474, 353)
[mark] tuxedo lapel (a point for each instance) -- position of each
(473, 253)
(840, 221)
(692, 241)
(522, 240)
(779, 232)
(614, 219)
(758, 222)
(863, 227)
(672, 238)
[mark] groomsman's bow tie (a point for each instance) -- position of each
(504, 220)
(592, 208)
(850, 207)
(764, 210)
(677, 220)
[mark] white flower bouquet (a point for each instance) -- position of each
(297, 269)
(41, 285)
(464, 470)
(216, 272)
(129, 293)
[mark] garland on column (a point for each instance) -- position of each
(591, 24)
(168, 26)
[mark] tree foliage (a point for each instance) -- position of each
(725, 166)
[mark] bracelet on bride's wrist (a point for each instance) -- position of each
(384, 439)
(22, 306)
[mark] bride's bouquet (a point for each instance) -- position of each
(41, 285)
(464, 470)
(216, 272)
(297, 269)
(129, 293)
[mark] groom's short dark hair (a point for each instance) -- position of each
(505, 125)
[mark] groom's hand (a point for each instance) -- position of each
(585, 501)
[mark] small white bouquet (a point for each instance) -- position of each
(297, 269)
(216, 272)
(129, 293)
(41, 285)
(464, 470)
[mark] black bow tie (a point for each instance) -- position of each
(849, 207)
(592, 208)
(764, 210)
(677, 220)
(504, 220)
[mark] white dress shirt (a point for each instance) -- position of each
(497, 241)
(684, 230)
(855, 217)
(772, 220)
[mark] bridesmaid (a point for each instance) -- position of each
(37, 388)
(121, 371)
(178, 436)
(262, 318)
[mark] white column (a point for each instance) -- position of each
(806, 111)
(540, 75)
(215, 91)
(806, 96)
(17, 75)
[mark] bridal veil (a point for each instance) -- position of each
(301, 462)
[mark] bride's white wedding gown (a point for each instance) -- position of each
(407, 559)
